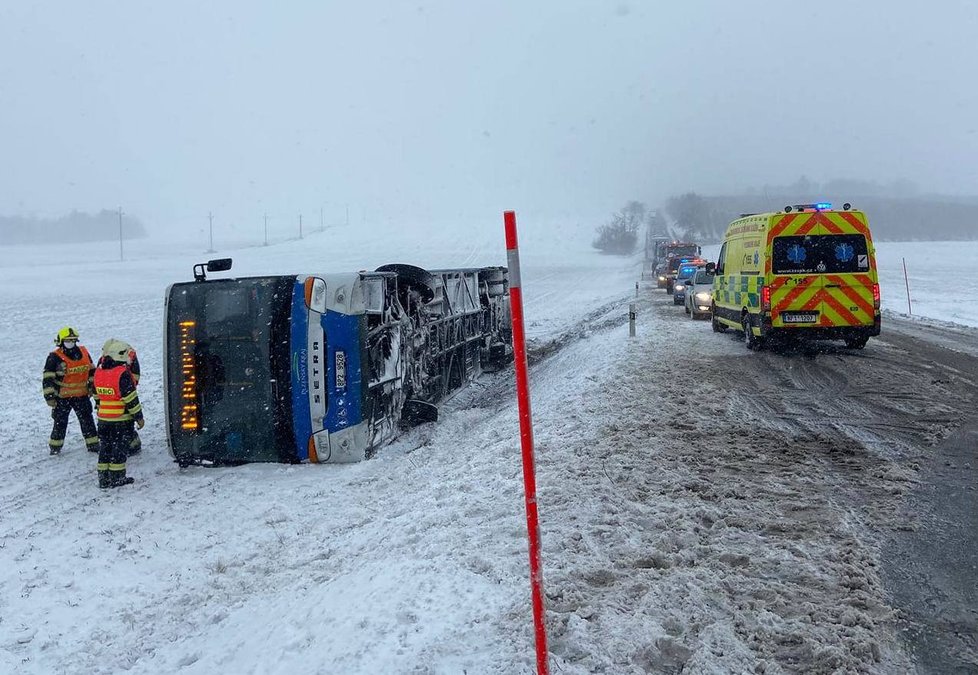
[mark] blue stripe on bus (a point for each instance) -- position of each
(301, 415)
(344, 408)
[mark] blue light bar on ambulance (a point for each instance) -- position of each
(820, 206)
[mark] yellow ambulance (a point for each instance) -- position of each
(807, 272)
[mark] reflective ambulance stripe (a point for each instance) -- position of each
(832, 227)
(860, 295)
(853, 221)
(844, 316)
(813, 302)
(785, 221)
(808, 226)
(798, 294)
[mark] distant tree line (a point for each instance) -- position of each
(73, 227)
(896, 211)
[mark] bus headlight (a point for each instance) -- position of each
(315, 291)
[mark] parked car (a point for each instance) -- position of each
(699, 294)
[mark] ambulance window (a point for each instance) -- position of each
(720, 259)
(820, 254)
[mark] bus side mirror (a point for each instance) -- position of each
(216, 265)
(219, 265)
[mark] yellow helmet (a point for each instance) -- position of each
(66, 333)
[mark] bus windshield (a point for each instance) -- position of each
(820, 254)
(228, 344)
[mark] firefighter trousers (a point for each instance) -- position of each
(114, 443)
(82, 405)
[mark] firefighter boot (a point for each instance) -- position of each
(119, 478)
(104, 480)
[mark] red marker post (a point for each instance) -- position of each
(526, 439)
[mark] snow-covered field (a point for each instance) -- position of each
(942, 285)
(414, 562)
(411, 562)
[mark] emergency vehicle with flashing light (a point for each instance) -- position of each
(673, 266)
(807, 272)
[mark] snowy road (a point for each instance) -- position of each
(703, 508)
(898, 423)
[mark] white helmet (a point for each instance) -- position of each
(117, 350)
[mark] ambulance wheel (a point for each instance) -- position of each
(857, 343)
(753, 342)
(717, 326)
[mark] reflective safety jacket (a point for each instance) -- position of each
(67, 374)
(116, 394)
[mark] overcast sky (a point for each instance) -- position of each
(457, 109)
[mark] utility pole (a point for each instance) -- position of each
(300, 226)
(120, 234)
(210, 221)
(266, 229)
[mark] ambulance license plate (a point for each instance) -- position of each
(799, 317)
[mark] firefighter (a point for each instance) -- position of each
(118, 410)
(67, 386)
(136, 444)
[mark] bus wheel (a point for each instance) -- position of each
(753, 343)
(857, 343)
(717, 326)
